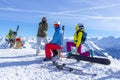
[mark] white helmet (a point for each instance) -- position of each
(80, 25)
(57, 22)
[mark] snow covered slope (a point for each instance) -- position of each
(23, 64)
(108, 46)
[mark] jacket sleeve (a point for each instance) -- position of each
(77, 40)
(43, 27)
(46, 27)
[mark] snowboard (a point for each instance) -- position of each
(103, 61)
(17, 28)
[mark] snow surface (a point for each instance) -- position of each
(23, 64)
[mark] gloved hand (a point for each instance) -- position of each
(15, 33)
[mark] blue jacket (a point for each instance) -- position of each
(57, 37)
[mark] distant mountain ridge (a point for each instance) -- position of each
(109, 45)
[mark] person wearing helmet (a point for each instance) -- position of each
(9, 34)
(10, 38)
(55, 43)
(41, 34)
(77, 41)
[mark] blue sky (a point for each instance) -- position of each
(101, 18)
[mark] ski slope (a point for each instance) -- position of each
(23, 64)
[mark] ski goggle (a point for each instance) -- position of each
(80, 27)
(56, 25)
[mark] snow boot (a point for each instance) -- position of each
(68, 54)
(47, 59)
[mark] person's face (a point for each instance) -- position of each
(44, 19)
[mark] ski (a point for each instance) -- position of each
(63, 67)
(103, 61)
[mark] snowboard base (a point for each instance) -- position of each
(103, 61)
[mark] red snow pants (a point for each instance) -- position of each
(49, 48)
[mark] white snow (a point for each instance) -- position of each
(23, 64)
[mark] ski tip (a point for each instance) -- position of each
(17, 25)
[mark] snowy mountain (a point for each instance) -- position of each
(110, 44)
(107, 46)
(23, 64)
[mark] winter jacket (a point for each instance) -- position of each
(78, 38)
(9, 34)
(43, 27)
(57, 37)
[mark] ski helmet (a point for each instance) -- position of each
(80, 25)
(56, 24)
